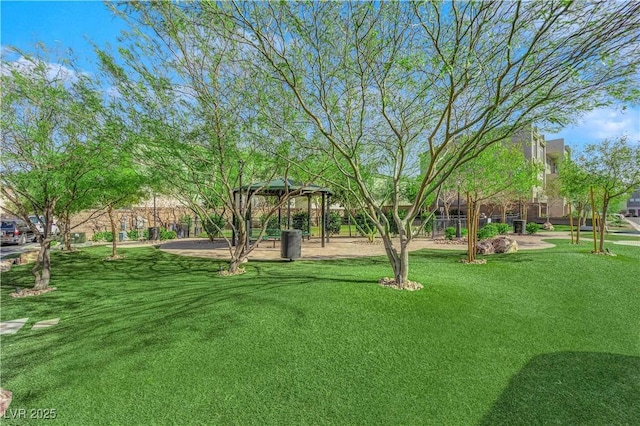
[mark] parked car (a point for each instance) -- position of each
(15, 231)
(39, 221)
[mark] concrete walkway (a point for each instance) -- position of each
(13, 326)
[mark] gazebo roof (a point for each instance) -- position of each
(281, 186)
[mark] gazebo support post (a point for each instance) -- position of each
(322, 218)
(326, 216)
(279, 213)
(248, 221)
(234, 222)
(308, 217)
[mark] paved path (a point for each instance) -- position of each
(12, 327)
(635, 222)
(337, 248)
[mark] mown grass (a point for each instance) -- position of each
(535, 337)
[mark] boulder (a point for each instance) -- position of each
(484, 247)
(504, 245)
(548, 226)
(5, 400)
(5, 265)
(27, 257)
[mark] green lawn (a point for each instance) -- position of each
(537, 337)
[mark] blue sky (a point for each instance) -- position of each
(64, 25)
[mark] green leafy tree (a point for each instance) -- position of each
(612, 167)
(499, 169)
(574, 185)
(383, 82)
(50, 114)
(200, 107)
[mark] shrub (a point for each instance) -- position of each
(213, 225)
(503, 228)
(273, 227)
(133, 234)
(300, 220)
(102, 236)
(615, 220)
(532, 228)
(450, 232)
(334, 222)
(490, 230)
(167, 235)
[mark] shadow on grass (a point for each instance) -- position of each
(114, 310)
(571, 388)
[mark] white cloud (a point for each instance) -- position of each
(24, 65)
(600, 124)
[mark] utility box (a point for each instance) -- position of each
(518, 226)
(291, 244)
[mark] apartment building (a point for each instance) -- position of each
(534, 148)
(633, 204)
(556, 152)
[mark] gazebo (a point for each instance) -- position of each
(281, 187)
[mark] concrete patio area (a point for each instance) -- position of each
(337, 248)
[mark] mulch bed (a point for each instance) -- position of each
(456, 241)
(409, 285)
(28, 293)
(475, 262)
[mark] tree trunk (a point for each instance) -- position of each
(580, 208)
(239, 252)
(571, 224)
(42, 268)
(593, 220)
(66, 224)
(603, 220)
(504, 214)
(472, 234)
(399, 261)
(114, 242)
(234, 265)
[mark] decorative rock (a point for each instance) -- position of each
(409, 285)
(485, 247)
(504, 245)
(5, 265)
(27, 257)
(548, 226)
(5, 400)
(475, 262)
(29, 292)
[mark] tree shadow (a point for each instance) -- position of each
(571, 388)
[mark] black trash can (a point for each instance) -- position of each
(291, 244)
(518, 226)
(154, 233)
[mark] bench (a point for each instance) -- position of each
(269, 235)
(275, 235)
